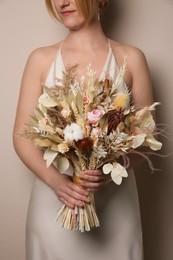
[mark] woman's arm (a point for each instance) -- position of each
(141, 88)
(141, 85)
(31, 89)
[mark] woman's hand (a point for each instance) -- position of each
(94, 180)
(72, 194)
(69, 193)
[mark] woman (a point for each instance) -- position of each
(119, 236)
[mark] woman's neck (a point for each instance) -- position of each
(89, 36)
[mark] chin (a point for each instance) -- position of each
(74, 26)
(72, 22)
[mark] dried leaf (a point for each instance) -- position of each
(103, 122)
(46, 100)
(118, 172)
(107, 168)
(55, 138)
(154, 144)
(63, 164)
(152, 107)
(138, 140)
(49, 157)
(38, 114)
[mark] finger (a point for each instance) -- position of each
(91, 178)
(72, 202)
(66, 203)
(93, 186)
(97, 172)
(93, 190)
(78, 189)
(75, 195)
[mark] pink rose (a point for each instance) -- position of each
(95, 115)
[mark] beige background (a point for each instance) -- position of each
(25, 25)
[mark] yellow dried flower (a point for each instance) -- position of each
(121, 101)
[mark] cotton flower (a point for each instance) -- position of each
(73, 132)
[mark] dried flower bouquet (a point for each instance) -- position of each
(90, 124)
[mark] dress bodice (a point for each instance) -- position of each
(110, 67)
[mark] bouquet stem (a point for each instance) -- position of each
(82, 219)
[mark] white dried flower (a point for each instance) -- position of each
(96, 132)
(75, 88)
(100, 152)
(73, 132)
(62, 148)
(66, 112)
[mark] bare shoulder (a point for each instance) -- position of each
(44, 54)
(41, 59)
(136, 62)
(133, 54)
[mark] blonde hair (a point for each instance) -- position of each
(86, 7)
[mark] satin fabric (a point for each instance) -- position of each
(120, 234)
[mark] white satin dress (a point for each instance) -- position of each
(118, 238)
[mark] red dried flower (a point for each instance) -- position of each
(114, 118)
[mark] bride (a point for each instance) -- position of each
(120, 234)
